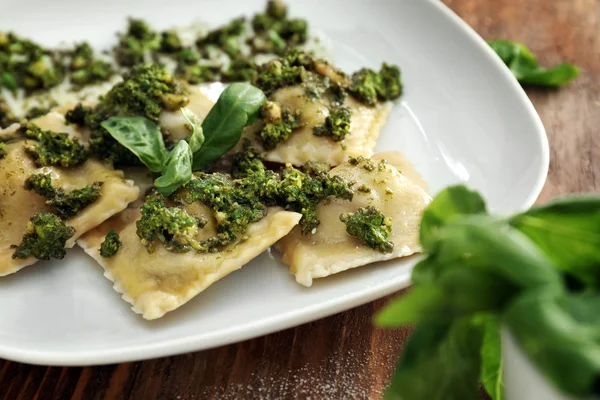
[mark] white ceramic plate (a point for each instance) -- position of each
(463, 119)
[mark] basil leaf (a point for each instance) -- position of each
(450, 204)
(236, 107)
(560, 334)
(480, 270)
(482, 243)
(439, 362)
(557, 76)
(196, 139)
(456, 292)
(511, 52)
(474, 264)
(140, 136)
(177, 171)
(568, 232)
(421, 303)
(525, 66)
(491, 360)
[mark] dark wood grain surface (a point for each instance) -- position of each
(344, 356)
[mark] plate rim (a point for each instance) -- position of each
(199, 342)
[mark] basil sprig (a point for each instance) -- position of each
(196, 139)
(177, 171)
(537, 273)
(526, 67)
(140, 136)
(237, 107)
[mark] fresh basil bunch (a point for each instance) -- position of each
(526, 67)
(537, 273)
(237, 107)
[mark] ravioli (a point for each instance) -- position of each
(331, 249)
(162, 281)
(303, 146)
(18, 205)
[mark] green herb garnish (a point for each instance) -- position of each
(85, 68)
(534, 273)
(198, 73)
(239, 202)
(337, 124)
(237, 107)
(240, 70)
(302, 193)
(78, 114)
(54, 149)
(111, 244)
(28, 65)
(225, 37)
(247, 162)
(526, 67)
(196, 139)
(170, 42)
(66, 205)
(279, 73)
(177, 170)
(138, 44)
(236, 204)
(370, 86)
(172, 226)
(45, 238)
(275, 31)
(371, 227)
(140, 136)
(280, 123)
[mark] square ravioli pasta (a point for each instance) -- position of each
(378, 182)
(161, 281)
(18, 205)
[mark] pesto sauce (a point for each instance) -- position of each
(137, 43)
(369, 86)
(337, 124)
(66, 205)
(85, 69)
(25, 64)
(174, 227)
(45, 238)
(280, 123)
(236, 203)
(52, 148)
(29, 66)
(370, 226)
(240, 201)
(366, 163)
(111, 244)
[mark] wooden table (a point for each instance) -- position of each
(344, 356)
